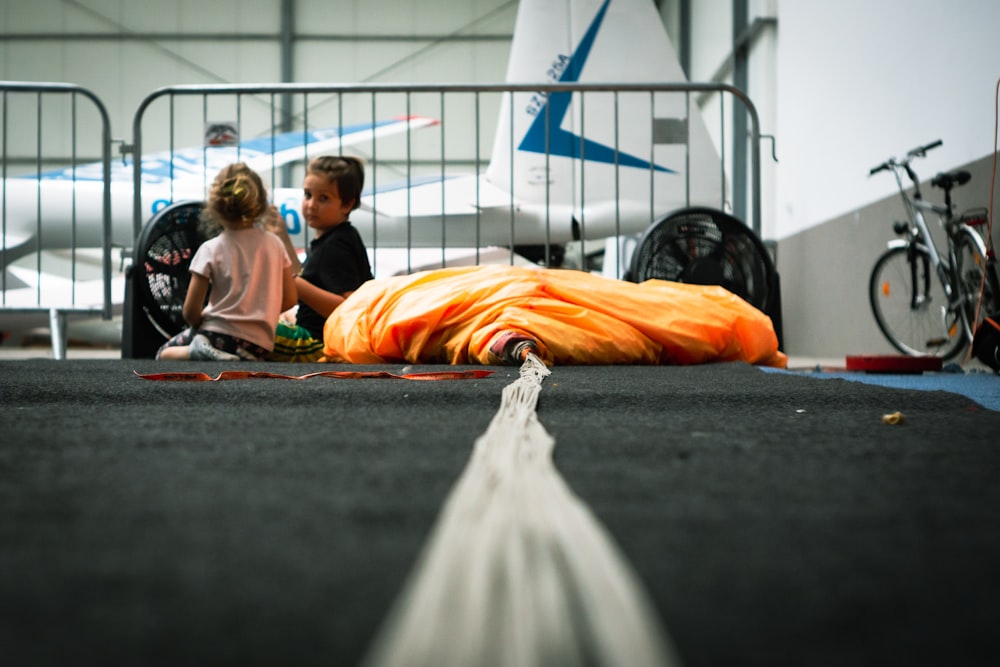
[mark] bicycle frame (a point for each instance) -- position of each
(915, 207)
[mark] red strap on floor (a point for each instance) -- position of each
(344, 375)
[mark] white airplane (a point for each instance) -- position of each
(76, 192)
(565, 166)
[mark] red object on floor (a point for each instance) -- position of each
(892, 363)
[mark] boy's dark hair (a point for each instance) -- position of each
(347, 172)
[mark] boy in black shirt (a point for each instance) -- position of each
(337, 261)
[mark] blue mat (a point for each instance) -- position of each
(983, 387)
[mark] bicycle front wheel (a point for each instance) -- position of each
(910, 305)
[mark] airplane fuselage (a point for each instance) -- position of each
(71, 215)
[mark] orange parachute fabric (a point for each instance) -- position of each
(453, 315)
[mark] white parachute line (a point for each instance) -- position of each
(517, 570)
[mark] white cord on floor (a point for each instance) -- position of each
(517, 571)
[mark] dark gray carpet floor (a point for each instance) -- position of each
(774, 519)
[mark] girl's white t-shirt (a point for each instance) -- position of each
(244, 267)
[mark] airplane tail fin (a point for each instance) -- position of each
(649, 152)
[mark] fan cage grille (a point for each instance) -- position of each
(705, 248)
(166, 248)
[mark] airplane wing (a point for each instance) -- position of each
(470, 210)
(191, 165)
(435, 196)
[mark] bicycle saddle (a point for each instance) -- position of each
(947, 179)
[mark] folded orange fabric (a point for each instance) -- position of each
(453, 316)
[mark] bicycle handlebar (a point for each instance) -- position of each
(919, 152)
(881, 167)
(891, 163)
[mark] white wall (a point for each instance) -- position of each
(859, 81)
(844, 85)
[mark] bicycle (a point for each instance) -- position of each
(927, 302)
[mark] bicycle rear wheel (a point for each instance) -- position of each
(910, 305)
(971, 267)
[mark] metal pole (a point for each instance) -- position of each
(741, 81)
(287, 74)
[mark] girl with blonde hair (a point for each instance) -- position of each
(241, 280)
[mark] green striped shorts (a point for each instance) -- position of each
(295, 344)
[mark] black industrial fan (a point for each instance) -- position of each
(159, 277)
(705, 246)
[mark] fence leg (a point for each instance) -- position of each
(58, 333)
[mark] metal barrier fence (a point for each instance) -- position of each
(533, 203)
(55, 207)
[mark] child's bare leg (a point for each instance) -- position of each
(177, 353)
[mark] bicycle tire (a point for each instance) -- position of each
(910, 306)
(971, 264)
